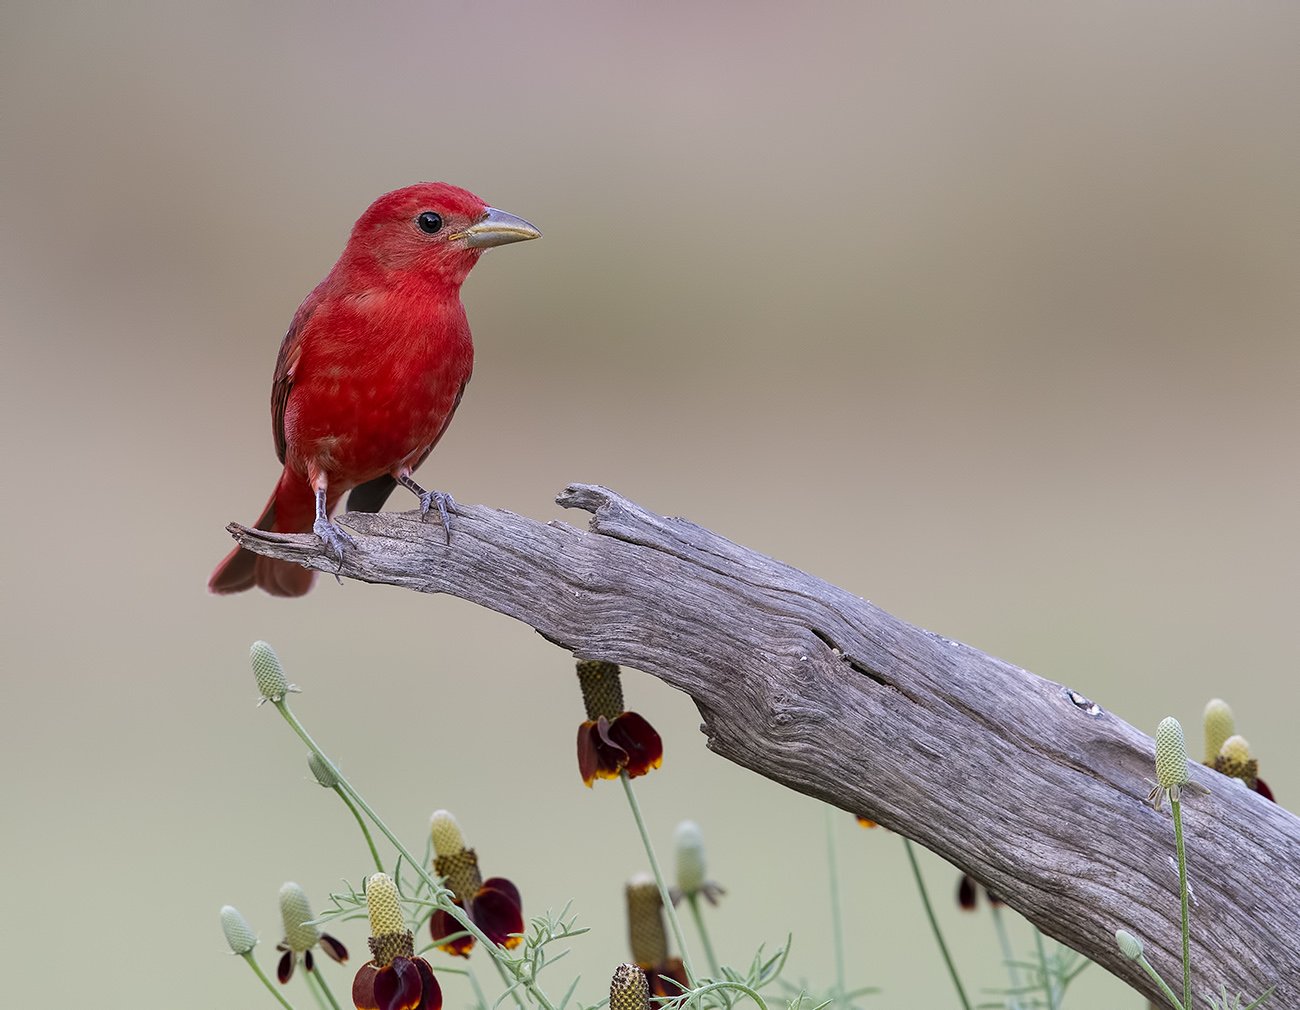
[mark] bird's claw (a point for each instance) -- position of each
(335, 537)
(444, 503)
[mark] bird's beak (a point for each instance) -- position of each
(496, 227)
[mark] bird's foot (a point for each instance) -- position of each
(334, 536)
(444, 503)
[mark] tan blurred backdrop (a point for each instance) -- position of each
(985, 312)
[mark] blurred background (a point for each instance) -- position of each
(984, 312)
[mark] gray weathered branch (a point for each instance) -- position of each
(1010, 777)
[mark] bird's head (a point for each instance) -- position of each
(432, 229)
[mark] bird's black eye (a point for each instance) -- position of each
(429, 222)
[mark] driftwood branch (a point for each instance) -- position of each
(1015, 779)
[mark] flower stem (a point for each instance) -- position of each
(1182, 888)
(361, 823)
(705, 942)
(723, 986)
(257, 970)
(664, 896)
(837, 919)
(934, 925)
(316, 979)
(440, 894)
(1049, 984)
(1008, 955)
(1155, 975)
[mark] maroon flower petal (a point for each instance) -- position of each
(333, 948)
(1264, 790)
(284, 970)
(442, 925)
(645, 751)
(966, 893)
(400, 986)
(431, 996)
(363, 987)
(496, 910)
(668, 978)
(307, 961)
(598, 755)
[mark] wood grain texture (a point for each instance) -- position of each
(1008, 776)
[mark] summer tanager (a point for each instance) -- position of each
(371, 371)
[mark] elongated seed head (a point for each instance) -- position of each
(645, 922)
(295, 911)
(1234, 759)
(629, 989)
(239, 934)
(1218, 725)
(688, 841)
(272, 684)
(385, 908)
(447, 837)
(1171, 754)
(602, 689)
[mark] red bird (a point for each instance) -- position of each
(371, 371)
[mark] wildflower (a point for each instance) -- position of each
(968, 894)
(629, 989)
(688, 843)
(299, 936)
(1234, 760)
(1218, 725)
(395, 979)
(272, 684)
(1171, 764)
(493, 905)
(649, 941)
(611, 740)
(239, 934)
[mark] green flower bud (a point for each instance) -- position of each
(1218, 724)
(295, 910)
(322, 770)
(1129, 945)
(272, 684)
(1171, 755)
(689, 844)
(239, 934)
(629, 989)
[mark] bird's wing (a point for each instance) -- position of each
(285, 363)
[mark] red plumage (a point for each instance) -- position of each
(372, 369)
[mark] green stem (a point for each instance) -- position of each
(1049, 984)
(740, 986)
(934, 925)
(694, 901)
(452, 909)
(257, 970)
(478, 990)
(361, 823)
(1155, 975)
(837, 921)
(1182, 888)
(316, 978)
(664, 896)
(1008, 955)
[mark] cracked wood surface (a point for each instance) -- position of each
(1015, 779)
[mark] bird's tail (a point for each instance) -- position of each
(292, 509)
